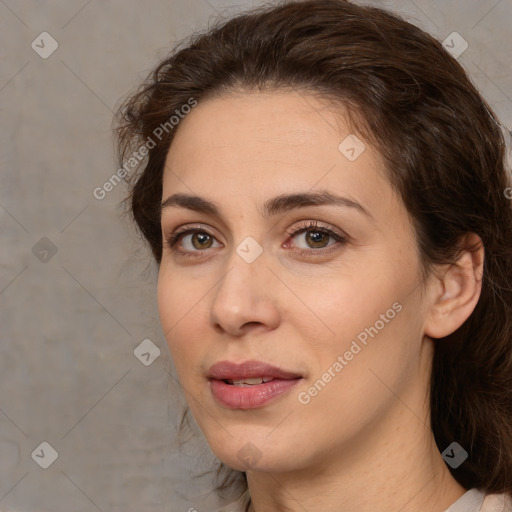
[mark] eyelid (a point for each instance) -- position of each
(187, 229)
(314, 224)
(307, 225)
(340, 237)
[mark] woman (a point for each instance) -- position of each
(323, 190)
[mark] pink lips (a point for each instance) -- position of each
(252, 396)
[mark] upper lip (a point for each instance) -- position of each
(224, 370)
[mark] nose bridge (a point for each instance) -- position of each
(238, 274)
(242, 294)
(243, 276)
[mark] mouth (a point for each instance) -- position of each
(249, 385)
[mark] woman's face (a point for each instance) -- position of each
(341, 312)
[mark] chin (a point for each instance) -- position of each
(255, 452)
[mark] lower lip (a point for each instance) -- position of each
(250, 397)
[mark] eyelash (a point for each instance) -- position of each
(310, 226)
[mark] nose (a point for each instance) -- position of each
(244, 299)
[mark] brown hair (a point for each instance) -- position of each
(445, 156)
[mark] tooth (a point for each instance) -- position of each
(250, 382)
(254, 380)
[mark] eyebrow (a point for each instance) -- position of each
(273, 206)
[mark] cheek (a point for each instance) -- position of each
(167, 298)
(178, 297)
(178, 317)
(378, 336)
(352, 376)
(343, 303)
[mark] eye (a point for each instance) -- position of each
(200, 239)
(316, 237)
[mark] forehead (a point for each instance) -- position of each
(243, 145)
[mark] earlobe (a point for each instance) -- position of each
(457, 292)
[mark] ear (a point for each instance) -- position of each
(455, 294)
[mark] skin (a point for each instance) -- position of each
(364, 442)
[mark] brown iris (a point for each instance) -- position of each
(316, 238)
(201, 237)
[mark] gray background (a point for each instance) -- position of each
(70, 321)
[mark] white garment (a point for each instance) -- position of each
(477, 501)
(471, 501)
(497, 503)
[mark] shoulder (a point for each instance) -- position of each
(497, 503)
